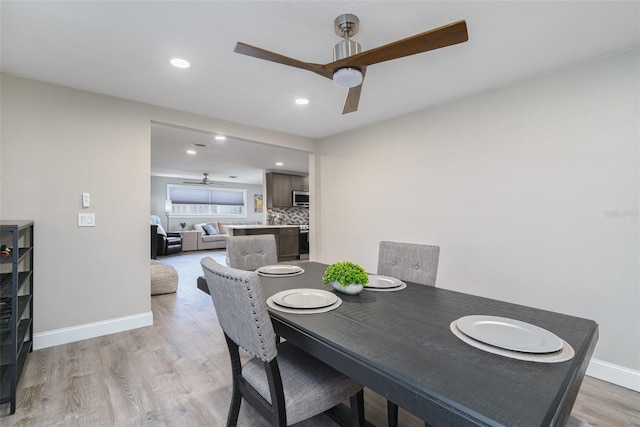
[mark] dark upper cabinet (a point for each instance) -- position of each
(300, 183)
(280, 186)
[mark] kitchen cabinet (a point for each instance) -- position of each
(299, 183)
(281, 185)
(16, 305)
(288, 244)
(278, 190)
(286, 239)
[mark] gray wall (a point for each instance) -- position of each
(531, 191)
(57, 144)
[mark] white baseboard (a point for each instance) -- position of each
(91, 330)
(615, 374)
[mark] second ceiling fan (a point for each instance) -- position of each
(205, 181)
(350, 64)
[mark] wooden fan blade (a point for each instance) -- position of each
(256, 52)
(353, 96)
(429, 40)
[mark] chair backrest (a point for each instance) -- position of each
(241, 308)
(409, 262)
(252, 252)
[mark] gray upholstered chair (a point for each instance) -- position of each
(412, 263)
(252, 252)
(285, 384)
(409, 262)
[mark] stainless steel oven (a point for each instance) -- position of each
(303, 244)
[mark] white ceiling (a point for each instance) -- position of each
(122, 48)
(222, 160)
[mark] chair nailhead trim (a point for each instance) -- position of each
(248, 288)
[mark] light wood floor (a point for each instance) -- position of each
(177, 373)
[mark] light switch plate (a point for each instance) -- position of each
(86, 220)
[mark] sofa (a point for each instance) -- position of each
(215, 236)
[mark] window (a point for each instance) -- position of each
(189, 200)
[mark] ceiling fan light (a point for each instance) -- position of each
(347, 77)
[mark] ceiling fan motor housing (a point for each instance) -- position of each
(345, 49)
(346, 25)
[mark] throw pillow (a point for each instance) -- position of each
(198, 227)
(210, 229)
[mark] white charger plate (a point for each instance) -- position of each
(279, 270)
(509, 334)
(272, 305)
(563, 355)
(377, 281)
(397, 288)
(304, 298)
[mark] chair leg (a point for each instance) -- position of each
(392, 414)
(234, 408)
(236, 373)
(357, 409)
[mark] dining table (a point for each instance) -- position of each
(401, 345)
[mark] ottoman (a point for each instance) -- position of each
(164, 278)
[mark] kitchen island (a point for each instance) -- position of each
(287, 237)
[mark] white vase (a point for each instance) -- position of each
(350, 289)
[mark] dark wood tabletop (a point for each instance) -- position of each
(399, 344)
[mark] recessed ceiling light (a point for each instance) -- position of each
(220, 137)
(180, 63)
(279, 164)
(191, 151)
(302, 101)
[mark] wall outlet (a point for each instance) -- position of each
(86, 200)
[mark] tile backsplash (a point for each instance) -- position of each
(293, 215)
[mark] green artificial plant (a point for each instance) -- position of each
(345, 273)
(183, 225)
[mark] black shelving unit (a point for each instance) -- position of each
(16, 305)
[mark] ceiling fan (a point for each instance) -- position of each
(205, 181)
(350, 64)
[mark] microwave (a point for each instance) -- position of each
(300, 198)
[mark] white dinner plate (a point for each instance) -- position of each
(279, 270)
(305, 298)
(509, 334)
(383, 282)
